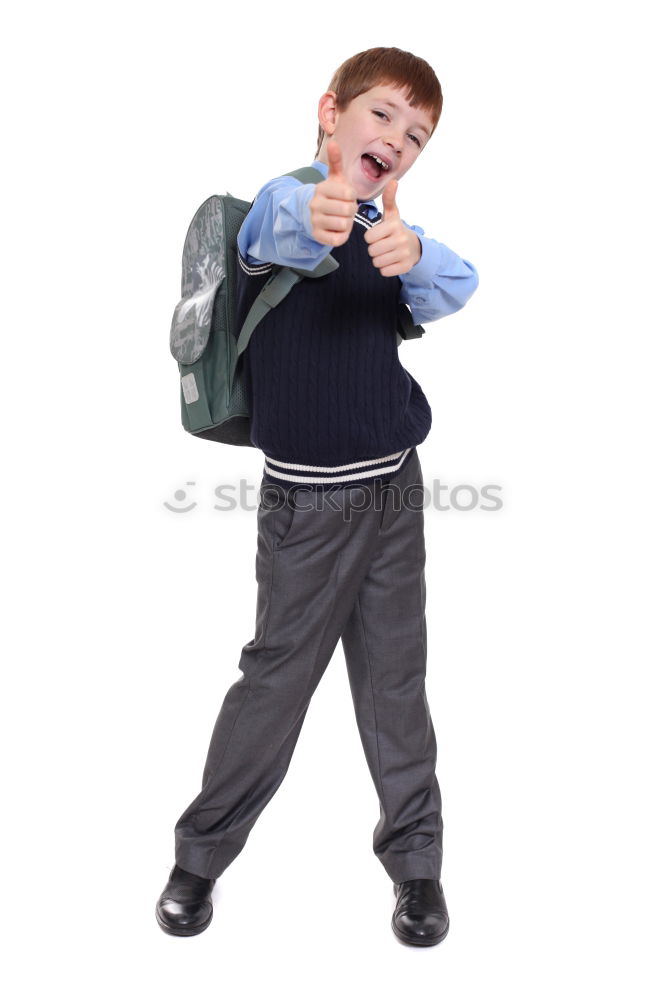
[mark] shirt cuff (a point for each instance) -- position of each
(293, 230)
(293, 214)
(435, 257)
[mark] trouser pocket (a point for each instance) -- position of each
(278, 510)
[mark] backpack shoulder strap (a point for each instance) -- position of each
(283, 279)
(306, 175)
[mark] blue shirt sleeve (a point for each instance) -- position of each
(439, 284)
(277, 228)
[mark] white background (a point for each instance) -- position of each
(545, 619)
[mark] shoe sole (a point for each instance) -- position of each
(182, 931)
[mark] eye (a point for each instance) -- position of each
(383, 115)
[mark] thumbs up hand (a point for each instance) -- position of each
(333, 204)
(393, 246)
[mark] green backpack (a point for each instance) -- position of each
(214, 399)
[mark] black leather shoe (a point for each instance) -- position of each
(420, 915)
(185, 906)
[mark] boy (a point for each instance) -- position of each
(338, 419)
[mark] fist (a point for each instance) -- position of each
(333, 204)
(393, 246)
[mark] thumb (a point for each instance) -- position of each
(334, 160)
(388, 198)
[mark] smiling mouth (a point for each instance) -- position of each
(372, 167)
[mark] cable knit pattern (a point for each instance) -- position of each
(327, 387)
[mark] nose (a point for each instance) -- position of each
(395, 145)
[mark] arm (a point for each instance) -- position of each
(440, 283)
(435, 281)
(278, 227)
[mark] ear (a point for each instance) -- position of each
(328, 112)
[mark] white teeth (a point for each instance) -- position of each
(381, 163)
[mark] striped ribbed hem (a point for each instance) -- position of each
(354, 474)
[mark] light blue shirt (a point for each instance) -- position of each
(278, 229)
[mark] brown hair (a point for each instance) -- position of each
(379, 66)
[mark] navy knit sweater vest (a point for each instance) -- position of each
(331, 404)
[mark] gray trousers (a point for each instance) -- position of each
(357, 573)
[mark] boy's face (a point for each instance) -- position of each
(380, 121)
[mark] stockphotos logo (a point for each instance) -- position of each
(460, 498)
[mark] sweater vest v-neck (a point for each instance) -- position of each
(330, 402)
